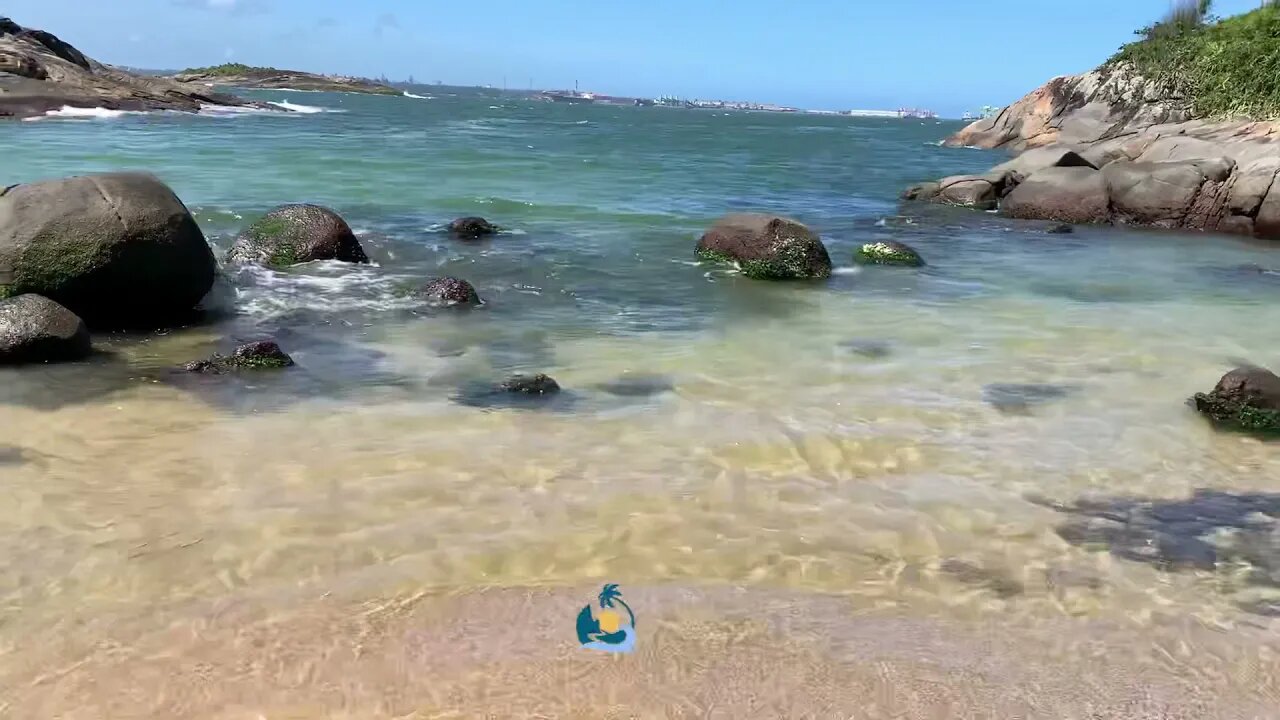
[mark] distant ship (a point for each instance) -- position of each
(569, 96)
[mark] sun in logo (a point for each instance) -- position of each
(606, 628)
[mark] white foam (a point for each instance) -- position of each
(417, 97)
(301, 109)
(66, 111)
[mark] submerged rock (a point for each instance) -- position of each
(1246, 399)
(888, 252)
(530, 385)
(638, 385)
(450, 291)
(119, 249)
(873, 349)
(36, 329)
(293, 234)
(1018, 398)
(472, 228)
(766, 247)
(260, 355)
(1060, 229)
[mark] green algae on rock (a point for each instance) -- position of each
(293, 234)
(766, 247)
(888, 252)
(1246, 399)
(117, 249)
(260, 355)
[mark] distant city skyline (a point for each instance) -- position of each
(821, 54)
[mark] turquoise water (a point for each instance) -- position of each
(911, 439)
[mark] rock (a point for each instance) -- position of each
(1155, 194)
(1037, 159)
(292, 234)
(1076, 195)
(1060, 229)
(259, 355)
(638, 385)
(1252, 184)
(450, 291)
(1267, 222)
(766, 247)
(1018, 398)
(41, 73)
(472, 228)
(888, 252)
(1246, 399)
(967, 191)
(873, 349)
(530, 385)
(119, 250)
(36, 329)
(922, 191)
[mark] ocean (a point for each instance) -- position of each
(970, 487)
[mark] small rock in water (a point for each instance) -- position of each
(874, 349)
(450, 291)
(1017, 398)
(260, 355)
(1060, 229)
(531, 385)
(472, 228)
(35, 329)
(766, 247)
(1246, 399)
(888, 252)
(638, 385)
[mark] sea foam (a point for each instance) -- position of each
(301, 109)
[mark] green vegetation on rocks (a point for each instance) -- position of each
(1225, 68)
(231, 70)
(888, 253)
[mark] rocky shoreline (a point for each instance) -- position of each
(40, 73)
(242, 76)
(1106, 148)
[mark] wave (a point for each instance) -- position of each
(417, 97)
(98, 113)
(302, 109)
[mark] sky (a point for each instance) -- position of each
(821, 54)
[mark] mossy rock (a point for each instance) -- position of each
(450, 291)
(766, 247)
(260, 355)
(293, 234)
(1245, 400)
(120, 250)
(888, 252)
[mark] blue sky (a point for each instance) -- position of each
(947, 56)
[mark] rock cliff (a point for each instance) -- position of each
(40, 72)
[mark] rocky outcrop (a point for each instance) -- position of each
(530, 385)
(39, 72)
(766, 247)
(1110, 102)
(36, 329)
(1246, 399)
(1099, 148)
(472, 228)
(450, 291)
(236, 75)
(119, 249)
(293, 234)
(259, 355)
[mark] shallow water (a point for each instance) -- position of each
(995, 441)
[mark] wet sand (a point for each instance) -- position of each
(702, 653)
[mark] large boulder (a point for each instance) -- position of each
(293, 234)
(119, 250)
(36, 329)
(766, 247)
(1072, 194)
(1155, 194)
(1245, 399)
(967, 191)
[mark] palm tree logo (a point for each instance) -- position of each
(606, 629)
